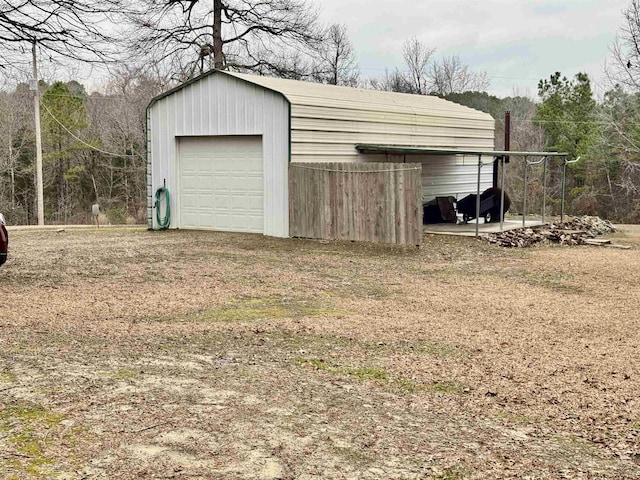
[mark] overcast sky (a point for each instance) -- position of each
(516, 42)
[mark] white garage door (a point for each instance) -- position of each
(221, 183)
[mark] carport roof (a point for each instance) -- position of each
(402, 150)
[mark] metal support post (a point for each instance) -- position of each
(544, 190)
(527, 163)
(564, 184)
(524, 199)
(502, 195)
(478, 197)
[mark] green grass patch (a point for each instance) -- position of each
(382, 376)
(409, 386)
(354, 456)
(7, 377)
(252, 309)
(321, 345)
(449, 387)
(455, 472)
(28, 427)
(513, 418)
(436, 349)
(443, 387)
(360, 373)
(557, 281)
(29, 413)
(118, 374)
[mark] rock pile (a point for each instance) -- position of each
(577, 231)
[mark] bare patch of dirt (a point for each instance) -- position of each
(133, 354)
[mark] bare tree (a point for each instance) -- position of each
(417, 57)
(624, 68)
(237, 34)
(15, 141)
(450, 75)
(71, 29)
(395, 81)
(116, 166)
(337, 62)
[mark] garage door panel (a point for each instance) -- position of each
(254, 204)
(221, 183)
(253, 184)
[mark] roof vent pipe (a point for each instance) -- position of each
(507, 147)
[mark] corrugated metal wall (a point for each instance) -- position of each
(223, 105)
(328, 121)
(447, 175)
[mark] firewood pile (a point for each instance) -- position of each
(577, 231)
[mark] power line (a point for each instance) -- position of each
(573, 122)
(63, 95)
(85, 143)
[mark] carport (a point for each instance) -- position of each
(498, 158)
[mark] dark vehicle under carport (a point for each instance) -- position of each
(4, 241)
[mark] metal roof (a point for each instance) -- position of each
(444, 151)
(317, 94)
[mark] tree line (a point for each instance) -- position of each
(94, 143)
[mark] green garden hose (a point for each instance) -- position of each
(163, 223)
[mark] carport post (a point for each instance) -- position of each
(478, 197)
(564, 184)
(524, 200)
(544, 190)
(502, 196)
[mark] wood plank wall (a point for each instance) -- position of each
(372, 202)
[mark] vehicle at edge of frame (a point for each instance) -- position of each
(4, 241)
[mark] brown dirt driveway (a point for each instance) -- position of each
(132, 354)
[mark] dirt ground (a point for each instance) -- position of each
(132, 354)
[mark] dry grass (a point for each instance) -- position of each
(130, 354)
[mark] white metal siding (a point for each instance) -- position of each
(328, 121)
(220, 105)
(221, 183)
(452, 176)
(445, 175)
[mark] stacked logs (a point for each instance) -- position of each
(576, 231)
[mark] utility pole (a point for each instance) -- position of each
(36, 103)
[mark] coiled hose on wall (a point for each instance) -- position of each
(163, 222)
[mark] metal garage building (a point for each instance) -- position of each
(222, 144)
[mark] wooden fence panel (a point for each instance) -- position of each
(373, 202)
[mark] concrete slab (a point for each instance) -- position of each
(469, 229)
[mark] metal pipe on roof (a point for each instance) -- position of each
(507, 146)
(502, 196)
